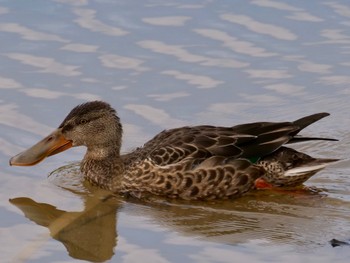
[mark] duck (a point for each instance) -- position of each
(193, 162)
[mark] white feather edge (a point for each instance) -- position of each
(305, 169)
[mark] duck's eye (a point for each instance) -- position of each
(83, 121)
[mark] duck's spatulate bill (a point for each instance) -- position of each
(50, 145)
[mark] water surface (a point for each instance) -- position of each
(164, 64)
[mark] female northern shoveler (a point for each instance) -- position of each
(201, 162)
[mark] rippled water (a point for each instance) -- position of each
(164, 64)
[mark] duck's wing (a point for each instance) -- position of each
(199, 142)
(251, 140)
(202, 142)
(269, 136)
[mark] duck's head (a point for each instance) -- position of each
(92, 124)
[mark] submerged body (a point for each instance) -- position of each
(201, 162)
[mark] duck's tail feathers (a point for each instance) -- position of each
(296, 139)
(302, 123)
(308, 120)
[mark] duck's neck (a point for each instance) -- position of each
(103, 166)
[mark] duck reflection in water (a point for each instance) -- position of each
(92, 234)
(89, 235)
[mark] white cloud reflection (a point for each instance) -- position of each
(86, 96)
(134, 137)
(10, 116)
(335, 80)
(200, 81)
(276, 4)
(268, 73)
(29, 34)
(9, 149)
(343, 10)
(135, 253)
(304, 16)
(238, 46)
(73, 2)
(183, 55)
(50, 94)
(259, 27)
(262, 99)
(42, 93)
(286, 89)
(120, 87)
(121, 62)
(86, 19)
(48, 65)
(174, 50)
(190, 6)
(228, 107)
(168, 96)
(336, 35)
(166, 20)
(222, 114)
(297, 13)
(3, 10)
(89, 80)
(83, 48)
(309, 66)
(154, 115)
(7, 83)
